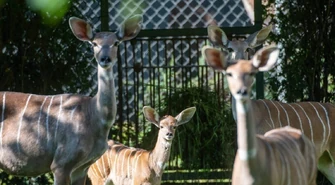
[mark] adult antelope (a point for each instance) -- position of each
(122, 165)
(282, 156)
(63, 133)
(316, 120)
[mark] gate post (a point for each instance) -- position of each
(258, 23)
(104, 15)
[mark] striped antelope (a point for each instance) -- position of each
(63, 133)
(283, 156)
(316, 120)
(122, 165)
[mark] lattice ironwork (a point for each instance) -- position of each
(167, 14)
(91, 12)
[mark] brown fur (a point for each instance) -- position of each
(313, 118)
(121, 165)
(281, 156)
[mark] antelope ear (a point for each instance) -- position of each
(217, 36)
(81, 29)
(185, 115)
(215, 58)
(265, 58)
(151, 115)
(130, 28)
(259, 37)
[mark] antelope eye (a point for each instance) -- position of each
(230, 50)
(252, 74)
(174, 127)
(161, 127)
(229, 74)
(94, 44)
(116, 43)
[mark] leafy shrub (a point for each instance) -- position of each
(208, 140)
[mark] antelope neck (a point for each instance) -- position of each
(160, 155)
(246, 135)
(105, 97)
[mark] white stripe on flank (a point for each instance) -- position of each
(269, 155)
(297, 160)
(122, 164)
(136, 162)
(273, 125)
(103, 166)
(59, 115)
(116, 159)
(298, 170)
(129, 169)
(109, 163)
(95, 172)
(136, 158)
(283, 169)
(47, 120)
(287, 161)
(20, 124)
(39, 120)
(71, 117)
(278, 113)
(327, 116)
(2, 119)
(99, 168)
(309, 121)
(72, 112)
(301, 127)
(323, 125)
(267, 122)
(287, 117)
(280, 162)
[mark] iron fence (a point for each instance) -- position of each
(153, 69)
(164, 59)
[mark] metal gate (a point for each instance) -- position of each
(164, 60)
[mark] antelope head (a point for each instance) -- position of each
(167, 124)
(238, 49)
(105, 44)
(240, 73)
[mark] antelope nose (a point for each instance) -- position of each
(105, 59)
(243, 91)
(169, 134)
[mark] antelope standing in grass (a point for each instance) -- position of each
(63, 133)
(316, 120)
(282, 156)
(122, 165)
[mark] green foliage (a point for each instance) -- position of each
(51, 11)
(40, 59)
(208, 140)
(126, 134)
(306, 31)
(14, 180)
